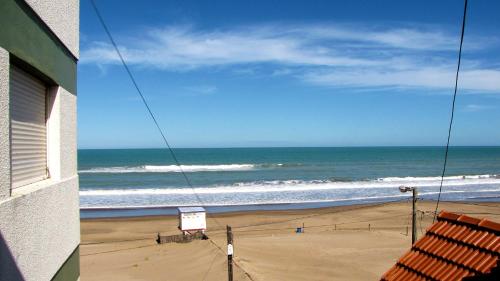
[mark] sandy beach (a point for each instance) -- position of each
(340, 243)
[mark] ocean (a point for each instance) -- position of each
(133, 181)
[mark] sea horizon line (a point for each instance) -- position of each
(264, 147)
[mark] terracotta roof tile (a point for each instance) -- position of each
(490, 225)
(469, 220)
(460, 232)
(454, 247)
(487, 264)
(495, 245)
(450, 216)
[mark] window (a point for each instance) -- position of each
(28, 119)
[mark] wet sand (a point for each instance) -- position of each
(339, 243)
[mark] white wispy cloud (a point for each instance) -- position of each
(202, 89)
(401, 37)
(182, 48)
(481, 80)
(322, 54)
(477, 107)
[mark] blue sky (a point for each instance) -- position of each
(289, 73)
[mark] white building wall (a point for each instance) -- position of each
(63, 18)
(4, 126)
(40, 223)
(41, 229)
(62, 149)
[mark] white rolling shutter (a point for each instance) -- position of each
(28, 128)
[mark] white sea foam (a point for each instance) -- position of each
(419, 179)
(300, 186)
(228, 203)
(176, 169)
(281, 201)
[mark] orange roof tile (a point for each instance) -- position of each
(455, 247)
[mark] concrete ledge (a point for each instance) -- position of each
(39, 227)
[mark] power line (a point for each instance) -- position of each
(114, 241)
(117, 250)
(420, 222)
(211, 264)
(472, 203)
(322, 225)
(452, 112)
(167, 144)
(235, 229)
(234, 261)
(348, 208)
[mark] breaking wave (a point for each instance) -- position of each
(302, 186)
(418, 179)
(274, 201)
(176, 169)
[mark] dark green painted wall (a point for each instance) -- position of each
(70, 270)
(24, 35)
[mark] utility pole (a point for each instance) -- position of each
(229, 253)
(414, 217)
(404, 189)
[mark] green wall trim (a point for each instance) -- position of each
(70, 270)
(27, 37)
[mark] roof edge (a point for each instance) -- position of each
(483, 224)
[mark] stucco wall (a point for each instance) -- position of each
(39, 223)
(62, 17)
(40, 229)
(68, 134)
(62, 135)
(4, 126)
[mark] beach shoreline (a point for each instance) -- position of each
(147, 211)
(355, 242)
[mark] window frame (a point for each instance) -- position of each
(48, 102)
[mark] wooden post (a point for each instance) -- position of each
(229, 253)
(303, 228)
(369, 227)
(414, 217)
